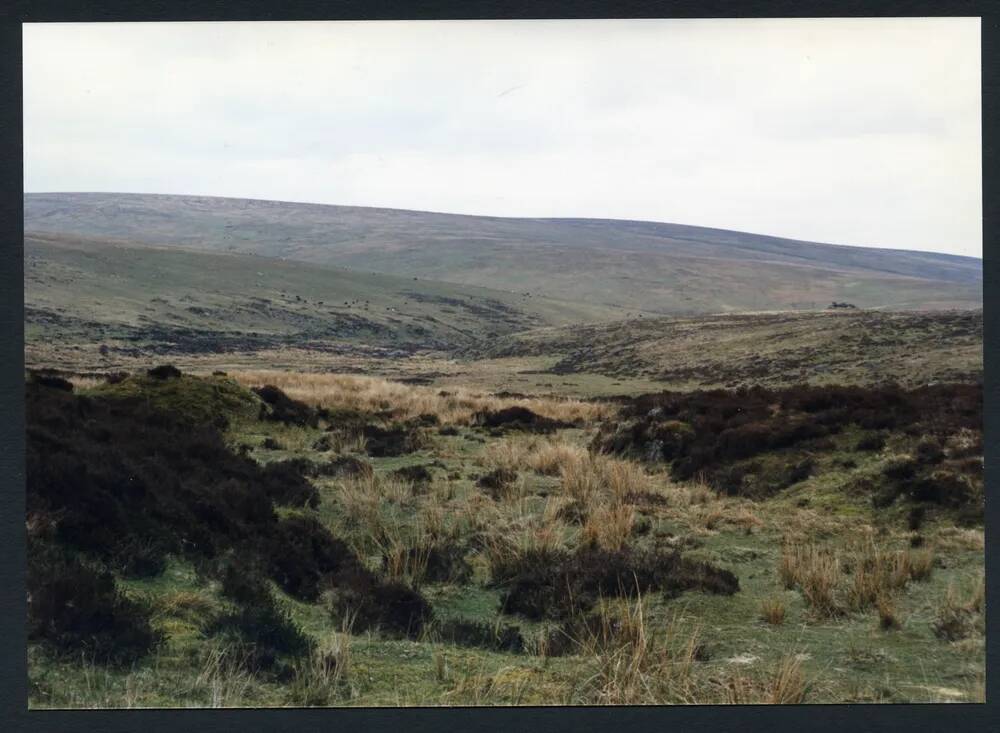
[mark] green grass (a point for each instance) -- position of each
(638, 266)
(199, 400)
(846, 658)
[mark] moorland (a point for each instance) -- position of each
(284, 454)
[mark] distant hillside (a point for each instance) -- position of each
(665, 268)
(170, 300)
(772, 349)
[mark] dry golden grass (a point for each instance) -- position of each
(609, 526)
(80, 383)
(373, 394)
(549, 457)
(506, 686)
(506, 454)
(786, 685)
(323, 674)
(920, 564)
(347, 441)
(224, 674)
(874, 574)
(593, 479)
(772, 610)
(581, 480)
(816, 572)
(952, 539)
(888, 618)
(184, 604)
(633, 664)
(636, 665)
(961, 614)
(509, 539)
(879, 572)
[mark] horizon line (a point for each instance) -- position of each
(507, 217)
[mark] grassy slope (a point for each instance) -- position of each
(665, 268)
(92, 291)
(851, 347)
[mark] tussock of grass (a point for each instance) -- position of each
(960, 616)
(874, 574)
(609, 527)
(772, 610)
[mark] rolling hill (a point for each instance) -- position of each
(635, 266)
(87, 292)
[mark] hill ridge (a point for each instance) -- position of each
(644, 266)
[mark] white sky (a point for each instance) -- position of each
(856, 131)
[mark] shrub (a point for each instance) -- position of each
(499, 637)
(302, 553)
(929, 451)
(900, 468)
(165, 371)
(730, 428)
(264, 633)
(517, 417)
(51, 381)
(392, 607)
(285, 483)
(347, 467)
(123, 475)
(395, 440)
(870, 442)
(279, 407)
(547, 583)
(943, 487)
(77, 609)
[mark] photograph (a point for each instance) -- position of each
(473, 363)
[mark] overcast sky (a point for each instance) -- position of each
(852, 131)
